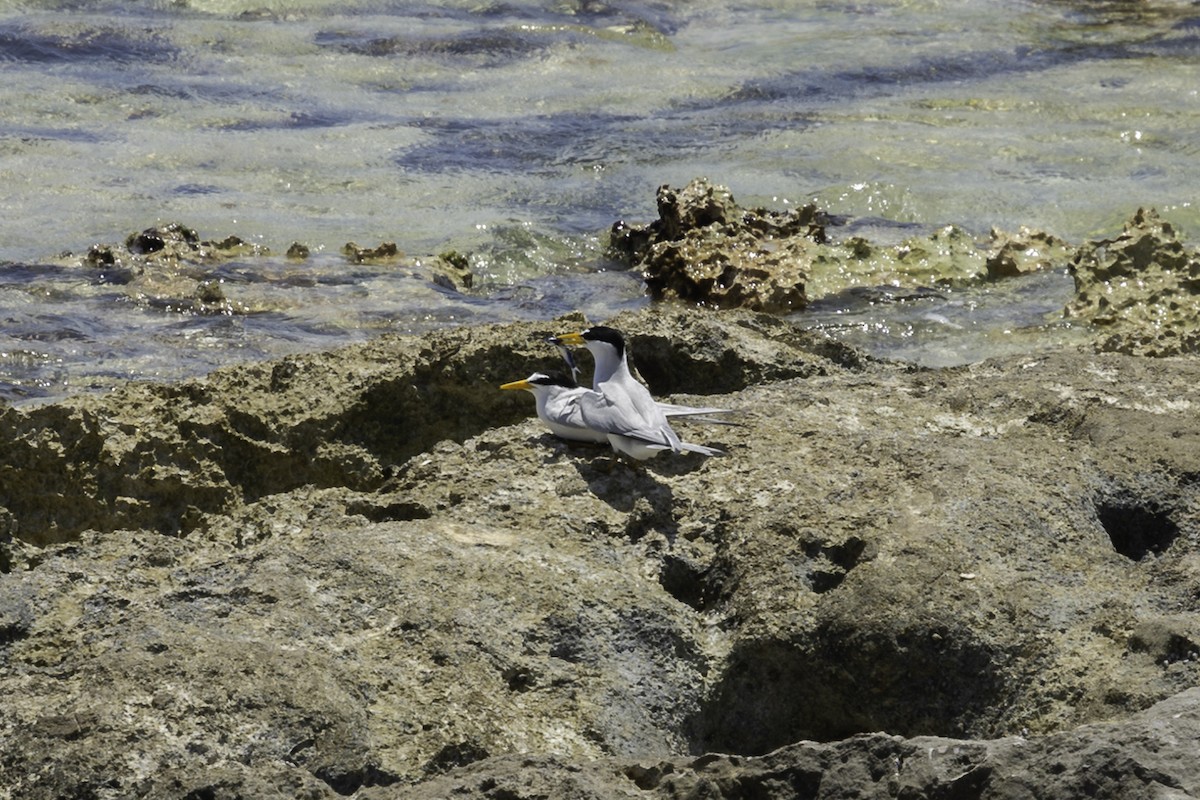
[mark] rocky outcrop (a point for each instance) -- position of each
(1141, 288)
(1145, 756)
(704, 248)
(380, 576)
(162, 457)
(1011, 255)
(707, 250)
(169, 267)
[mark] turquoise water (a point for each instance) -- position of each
(518, 132)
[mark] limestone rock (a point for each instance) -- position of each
(1141, 288)
(1146, 756)
(163, 457)
(704, 248)
(1014, 254)
(171, 268)
(371, 572)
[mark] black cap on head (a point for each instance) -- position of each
(552, 379)
(601, 333)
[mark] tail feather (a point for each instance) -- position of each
(675, 410)
(688, 447)
(705, 420)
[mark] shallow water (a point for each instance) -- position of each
(949, 326)
(519, 131)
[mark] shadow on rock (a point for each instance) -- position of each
(634, 490)
(838, 681)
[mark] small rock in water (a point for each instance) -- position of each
(1142, 287)
(704, 248)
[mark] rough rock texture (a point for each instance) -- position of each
(1144, 756)
(1014, 254)
(370, 572)
(162, 457)
(1142, 288)
(707, 250)
(171, 268)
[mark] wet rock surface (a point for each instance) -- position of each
(1141, 288)
(706, 249)
(370, 572)
(170, 267)
(1012, 255)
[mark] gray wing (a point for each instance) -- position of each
(676, 410)
(601, 413)
(699, 448)
(563, 407)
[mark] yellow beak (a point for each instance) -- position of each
(521, 384)
(572, 338)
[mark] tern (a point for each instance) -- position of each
(558, 402)
(635, 424)
(607, 347)
(672, 410)
(557, 398)
(584, 415)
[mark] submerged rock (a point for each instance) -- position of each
(182, 240)
(298, 251)
(454, 271)
(383, 577)
(385, 253)
(171, 268)
(1141, 289)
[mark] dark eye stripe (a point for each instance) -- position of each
(553, 379)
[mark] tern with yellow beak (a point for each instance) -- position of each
(672, 410)
(557, 398)
(618, 405)
(607, 347)
(581, 414)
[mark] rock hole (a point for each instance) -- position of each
(826, 580)
(833, 562)
(203, 793)
(348, 781)
(1137, 531)
(1166, 641)
(686, 581)
(519, 679)
(396, 511)
(11, 632)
